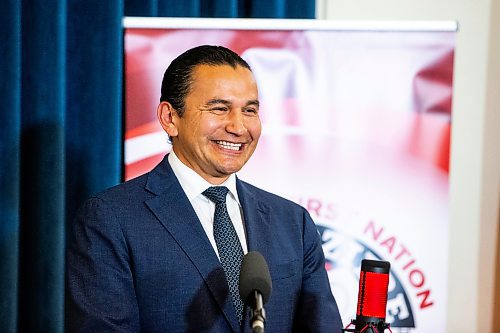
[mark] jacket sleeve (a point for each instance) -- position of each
(100, 293)
(317, 308)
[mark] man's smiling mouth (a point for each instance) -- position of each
(229, 145)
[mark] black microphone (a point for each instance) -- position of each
(255, 287)
(372, 297)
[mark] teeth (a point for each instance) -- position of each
(229, 145)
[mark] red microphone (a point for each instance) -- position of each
(372, 298)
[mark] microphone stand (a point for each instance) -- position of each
(258, 314)
(368, 327)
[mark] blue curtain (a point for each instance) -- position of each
(222, 8)
(61, 130)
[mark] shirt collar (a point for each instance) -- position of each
(192, 183)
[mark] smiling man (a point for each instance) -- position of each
(217, 128)
(162, 252)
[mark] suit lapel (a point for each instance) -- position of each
(256, 217)
(174, 211)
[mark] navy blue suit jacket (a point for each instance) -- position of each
(139, 260)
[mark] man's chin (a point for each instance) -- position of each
(227, 170)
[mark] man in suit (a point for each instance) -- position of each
(147, 256)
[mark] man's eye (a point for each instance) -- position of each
(219, 110)
(251, 111)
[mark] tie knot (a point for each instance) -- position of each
(216, 194)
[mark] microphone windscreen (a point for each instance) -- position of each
(254, 275)
(372, 295)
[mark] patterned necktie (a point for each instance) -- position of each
(228, 244)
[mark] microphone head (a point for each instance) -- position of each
(372, 295)
(254, 275)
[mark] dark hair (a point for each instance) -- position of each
(177, 79)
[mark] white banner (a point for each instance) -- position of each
(356, 128)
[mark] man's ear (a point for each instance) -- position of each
(166, 114)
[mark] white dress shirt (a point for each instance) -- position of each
(194, 185)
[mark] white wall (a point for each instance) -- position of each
(475, 151)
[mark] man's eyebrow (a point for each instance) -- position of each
(254, 102)
(214, 101)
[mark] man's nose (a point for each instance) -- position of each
(236, 123)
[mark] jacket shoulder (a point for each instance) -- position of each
(126, 191)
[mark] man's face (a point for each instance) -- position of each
(220, 127)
